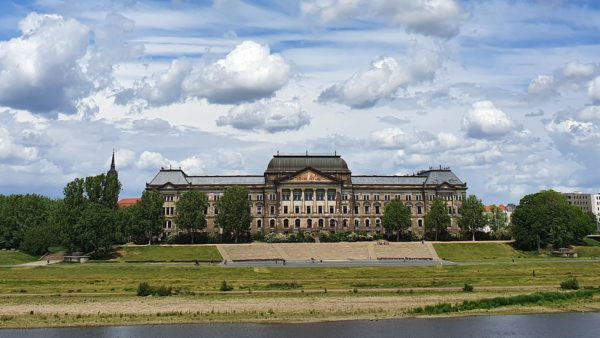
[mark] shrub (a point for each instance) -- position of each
(144, 289)
(468, 288)
(225, 287)
(570, 284)
(163, 291)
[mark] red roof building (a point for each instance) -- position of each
(127, 202)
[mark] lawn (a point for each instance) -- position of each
(468, 252)
(15, 257)
(168, 253)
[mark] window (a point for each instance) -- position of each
(397, 196)
(168, 211)
(308, 209)
(285, 196)
(272, 223)
(366, 197)
(297, 223)
(419, 209)
(345, 197)
(356, 209)
(331, 195)
(297, 195)
(168, 198)
(250, 197)
(285, 209)
(377, 210)
(286, 223)
(320, 196)
(216, 211)
(259, 197)
(320, 209)
(356, 197)
(367, 222)
(377, 223)
(205, 211)
(308, 195)
(376, 197)
(386, 197)
(259, 224)
(331, 209)
(320, 223)
(217, 196)
(273, 197)
(356, 223)
(297, 209)
(332, 223)
(309, 223)
(420, 223)
(168, 224)
(366, 209)
(408, 197)
(450, 210)
(345, 209)
(259, 209)
(345, 223)
(418, 197)
(272, 210)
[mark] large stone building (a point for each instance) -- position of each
(316, 193)
(585, 202)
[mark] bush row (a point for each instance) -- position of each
(490, 303)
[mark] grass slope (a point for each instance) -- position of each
(466, 252)
(168, 253)
(15, 257)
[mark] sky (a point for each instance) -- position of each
(506, 93)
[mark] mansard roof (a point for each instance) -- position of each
(388, 180)
(179, 177)
(440, 176)
(294, 163)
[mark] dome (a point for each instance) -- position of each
(293, 163)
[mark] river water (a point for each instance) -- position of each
(549, 325)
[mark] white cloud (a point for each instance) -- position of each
(589, 113)
(124, 158)
(11, 150)
(438, 18)
(270, 116)
(594, 89)
(192, 165)
(575, 69)
(484, 120)
(150, 160)
(542, 85)
(41, 71)
(382, 80)
(249, 72)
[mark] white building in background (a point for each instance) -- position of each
(585, 202)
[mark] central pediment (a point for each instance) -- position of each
(309, 175)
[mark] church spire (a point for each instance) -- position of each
(113, 169)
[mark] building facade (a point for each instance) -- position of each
(585, 202)
(316, 193)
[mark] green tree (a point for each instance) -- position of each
(190, 212)
(471, 216)
(546, 218)
(496, 219)
(147, 215)
(98, 230)
(396, 217)
(234, 212)
(437, 218)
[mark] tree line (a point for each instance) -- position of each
(87, 219)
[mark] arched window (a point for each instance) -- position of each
(356, 222)
(345, 223)
(272, 223)
(420, 223)
(309, 223)
(367, 222)
(168, 224)
(297, 223)
(332, 223)
(286, 223)
(259, 223)
(377, 222)
(321, 223)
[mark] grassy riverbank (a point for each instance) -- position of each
(104, 293)
(15, 257)
(166, 253)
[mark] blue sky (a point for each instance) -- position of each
(506, 93)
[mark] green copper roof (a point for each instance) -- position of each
(292, 163)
